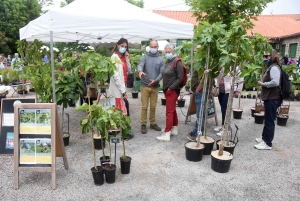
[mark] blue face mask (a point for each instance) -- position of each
(267, 62)
(169, 55)
(153, 50)
(122, 50)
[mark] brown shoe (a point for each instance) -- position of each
(155, 127)
(143, 129)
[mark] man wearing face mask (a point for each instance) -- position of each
(150, 69)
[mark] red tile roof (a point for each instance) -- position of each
(294, 16)
(271, 26)
(183, 16)
(274, 26)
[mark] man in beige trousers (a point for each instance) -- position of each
(150, 69)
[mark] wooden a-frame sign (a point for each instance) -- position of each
(37, 140)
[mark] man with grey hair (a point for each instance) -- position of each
(150, 68)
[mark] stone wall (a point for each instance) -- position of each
(291, 40)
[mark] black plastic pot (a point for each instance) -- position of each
(281, 121)
(98, 175)
(31, 90)
(221, 166)
(104, 160)
(98, 143)
(66, 139)
(125, 165)
(237, 114)
(71, 103)
(110, 173)
(208, 147)
(194, 155)
(252, 111)
(163, 101)
(228, 149)
(181, 102)
(135, 94)
(258, 119)
(248, 96)
(254, 96)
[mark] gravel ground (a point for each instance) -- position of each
(159, 170)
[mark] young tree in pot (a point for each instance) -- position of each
(134, 61)
(88, 125)
(231, 48)
(237, 113)
(69, 88)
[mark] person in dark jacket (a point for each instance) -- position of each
(270, 94)
(172, 78)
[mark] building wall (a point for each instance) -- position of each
(291, 40)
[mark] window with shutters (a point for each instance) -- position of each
(293, 50)
(283, 48)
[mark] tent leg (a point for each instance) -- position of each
(52, 68)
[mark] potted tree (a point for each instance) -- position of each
(237, 113)
(68, 88)
(134, 61)
(230, 49)
(88, 125)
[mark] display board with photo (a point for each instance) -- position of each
(35, 151)
(35, 121)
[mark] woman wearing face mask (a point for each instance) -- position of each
(172, 77)
(117, 86)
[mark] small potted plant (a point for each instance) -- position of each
(181, 101)
(134, 61)
(88, 125)
(237, 113)
(249, 95)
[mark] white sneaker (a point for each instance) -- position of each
(164, 137)
(259, 140)
(262, 146)
(174, 130)
(218, 129)
(219, 133)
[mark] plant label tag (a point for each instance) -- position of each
(115, 140)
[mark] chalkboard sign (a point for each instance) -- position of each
(37, 139)
(7, 123)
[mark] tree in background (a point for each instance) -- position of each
(226, 11)
(138, 3)
(65, 2)
(15, 14)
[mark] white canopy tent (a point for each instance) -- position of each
(94, 21)
(97, 21)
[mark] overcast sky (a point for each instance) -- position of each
(278, 7)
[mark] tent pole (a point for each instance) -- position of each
(52, 68)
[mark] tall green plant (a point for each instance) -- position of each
(104, 120)
(35, 69)
(100, 66)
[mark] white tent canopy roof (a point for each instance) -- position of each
(88, 21)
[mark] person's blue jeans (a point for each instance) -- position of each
(198, 98)
(270, 117)
(223, 100)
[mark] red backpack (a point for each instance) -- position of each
(185, 72)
